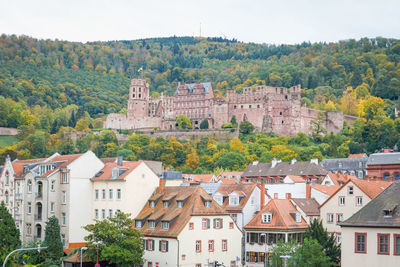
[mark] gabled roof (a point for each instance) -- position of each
(326, 189)
(194, 205)
(126, 168)
(300, 168)
(308, 205)
(18, 165)
(384, 159)
(351, 156)
(243, 190)
(296, 178)
(337, 178)
(65, 160)
(370, 188)
(282, 211)
(372, 214)
(198, 178)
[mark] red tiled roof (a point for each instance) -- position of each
(296, 178)
(243, 190)
(282, 211)
(204, 178)
(18, 166)
(338, 178)
(65, 159)
(326, 189)
(228, 181)
(178, 217)
(351, 156)
(106, 172)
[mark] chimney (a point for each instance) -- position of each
(308, 190)
(161, 185)
(293, 161)
(314, 161)
(274, 162)
(262, 196)
(255, 163)
(119, 160)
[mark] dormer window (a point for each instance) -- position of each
(233, 200)
(138, 224)
(207, 204)
(152, 224)
(266, 217)
(165, 225)
(165, 204)
(298, 217)
(387, 213)
(340, 165)
(115, 172)
(179, 204)
(218, 199)
(151, 204)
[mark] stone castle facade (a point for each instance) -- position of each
(269, 109)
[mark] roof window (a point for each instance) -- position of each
(266, 217)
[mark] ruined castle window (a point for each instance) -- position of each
(241, 106)
(258, 106)
(140, 95)
(280, 113)
(234, 107)
(282, 122)
(249, 106)
(286, 97)
(133, 95)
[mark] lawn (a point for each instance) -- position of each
(7, 140)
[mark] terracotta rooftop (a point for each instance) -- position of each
(283, 216)
(126, 168)
(284, 168)
(243, 190)
(227, 174)
(308, 205)
(198, 178)
(338, 178)
(296, 178)
(193, 205)
(65, 160)
(18, 165)
(352, 156)
(228, 181)
(382, 211)
(326, 189)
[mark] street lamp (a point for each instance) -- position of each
(265, 252)
(82, 248)
(285, 258)
(22, 249)
(97, 251)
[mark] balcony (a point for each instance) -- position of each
(38, 195)
(38, 217)
(18, 197)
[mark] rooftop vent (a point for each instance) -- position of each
(119, 160)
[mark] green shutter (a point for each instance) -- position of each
(166, 246)
(214, 223)
(208, 223)
(222, 224)
(160, 246)
(152, 241)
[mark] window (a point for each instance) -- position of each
(64, 177)
(103, 214)
(52, 206)
(179, 204)
(275, 195)
(231, 225)
(110, 213)
(351, 190)
(63, 218)
(198, 245)
(110, 194)
(165, 204)
(138, 224)
(7, 177)
(233, 200)
(28, 229)
(150, 244)
(341, 201)
(198, 264)
(96, 194)
(149, 264)
(6, 195)
(152, 204)
(266, 217)
(63, 239)
(29, 186)
(152, 224)
(96, 214)
(329, 218)
(205, 224)
(218, 223)
(165, 225)
(288, 196)
(163, 246)
(207, 204)
(224, 245)
(103, 194)
(29, 207)
(117, 211)
(359, 201)
(387, 213)
(396, 248)
(64, 197)
(339, 217)
(338, 238)
(211, 245)
(191, 226)
(53, 185)
(384, 244)
(360, 243)
(118, 194)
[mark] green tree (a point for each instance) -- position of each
(309, 254)
(317, 232)
(246, 127)
(118, 242)
(233, 121)
(52, 240)
(9, 233)
(204, 124)
(183, 122)
(317, 127)
(282, 248)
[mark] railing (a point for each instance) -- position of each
(38, 217)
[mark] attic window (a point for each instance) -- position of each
(115, 172)
(152, 224)
(207, 203)
(165, 204)
(387, 213)
(179, 203)
(266, 217)
(151, 204)
(233, 200)
(298, 218)
(138, 224)
(165, 225)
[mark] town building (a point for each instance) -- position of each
(291, 186)
(269, 109)
(347, 200)
(371, 237)
(322, 192)
(355, 166)
(122, 186)
(278, 220)
(308, 208)
(54, 186)
(277, 170)
(184, 226)
(384, 166)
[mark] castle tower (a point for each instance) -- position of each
(138, 103)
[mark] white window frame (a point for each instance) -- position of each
(64, 197)
(119, 194)
(266, 217)
(96, 194)
(63, 218)
(110, 194)
(165, 225)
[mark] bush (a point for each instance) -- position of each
(204, 124)
(246, 127)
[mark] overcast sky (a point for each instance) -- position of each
(259, 21)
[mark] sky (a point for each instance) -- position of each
(258, 21)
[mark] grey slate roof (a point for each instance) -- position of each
(347, 163)
(210, 188)
(155, 166)
(284, 168)
(372, 215)
(384, 158)
(172, 175)
(308, 205)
